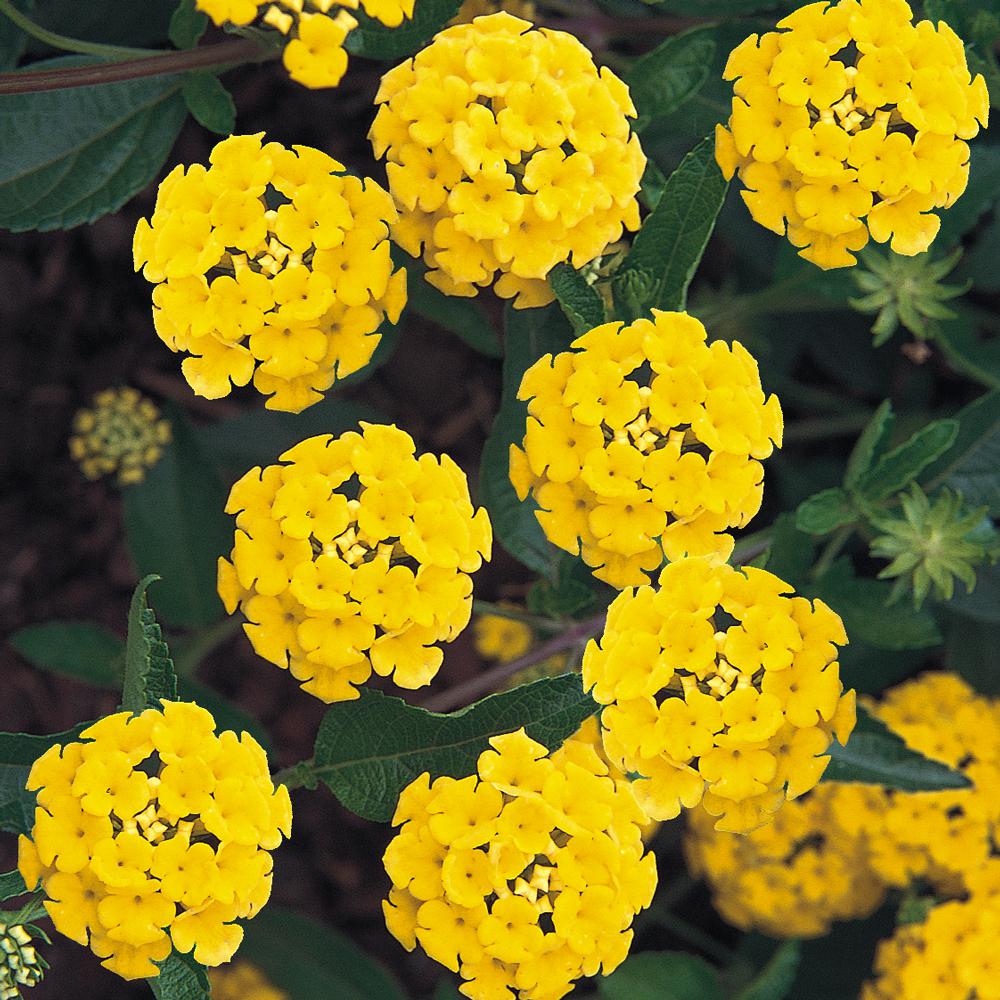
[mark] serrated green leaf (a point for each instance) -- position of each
(870, 445)
(825, 511)
(369, 750)
(80, 650)
(530, 334)
(180, 978)
(176, 527)
(12, 885)
(310, 960)
(896, 469)
(668, 248)
(775, 980)
(875, 755)
(149, 671)
(662, 80)
(209, 102)
(187, 25)
(661, 975)
(374, 40)
(71, 156)
(581, 303)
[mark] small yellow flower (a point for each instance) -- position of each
(501, 638)
(243, 981)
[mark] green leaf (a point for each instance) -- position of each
(976, 200)
(80, 650)
(180, 978)
(899, 467)
(369, 750)
(825, 511)
(870, 445)
(530, 334)
(18, 751)
(875, 755)
(983, 603)
(311, 960)
(389, 337)
(176, 527)
(662, 80)
(12, 885)
(572, 591)
(581, 303)
(668, 248)
(149, 671)
(374, 40)
(967, 352)
(790, 555)
(661, 975)
(209, 102)
(187, 25)
(971, 466)
(13, 40)
(71, 156)
(971, 647)
(776, 978)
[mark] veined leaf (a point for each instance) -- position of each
(825, 511)
(149, 671)
(180, 978)
(80, 650)
(187, 25)
(870, 445)
(581, 303)
(899, 467)
(209, 102)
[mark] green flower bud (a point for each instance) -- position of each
(20, 963)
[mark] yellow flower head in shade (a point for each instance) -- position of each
(508, 151)
(501, 638)
(644, 441)
(272, 264)
(243, 981)
(121, 434)
(850, 122)
(524, 876)
(719, 689)
(354, 555)
(154, 833)
(791, 878)
(314, 54)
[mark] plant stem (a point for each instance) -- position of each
(220, 55)
(67, 44)
(693, 935)
(751, 546)
(832, 550)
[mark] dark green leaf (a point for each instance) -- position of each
(871, 444)
(13, 40)
(972, 652)
(81, 650)
(791, 552)
(662, 80)
(149, 671)
(176, 527)
(661, 975)
(530, 334)
(654, 180)
(899, 467)
(180, 978)
(374, 40)
(389, 337)
(983, 603)
(775, 980)
(667, 250)
(825, 511)
(11, 885)
(875, 755)
(310, 960)
(581, 302)
(209, 102)
(119, 22)
(977, 199)
(187, 25)
(967, 352)
(369, 750)
(572, 591)
(70, 156)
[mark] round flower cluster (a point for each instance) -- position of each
(500, 638)
(507, 151)
(720, 690)
(154, 834)
(316, 29)
(270, 259)
(122, 434)
(850, 123)
(642, 442)
(354, 556)
(791, 878)
(524, 876)
(20, 963)
(243, 981)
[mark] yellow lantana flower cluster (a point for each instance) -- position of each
(524, 876)
(121, 434)
(644, 441)
(354, 556)
(791, 878)
(500, 638)
(153, 833)
(508, 151)
(849, 123)
(314, 54)
(719, 690)
(271, 264)
(243, 981)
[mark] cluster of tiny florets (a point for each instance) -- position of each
(719, 689)
(120, 434)
(849, 123)
(314, 52)
(243, 981)
(354, 556)
(644, 441)
(20, 963)
(524, 876)
(500, 638)
(153, 833)
(508, 151)
(272, 264)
